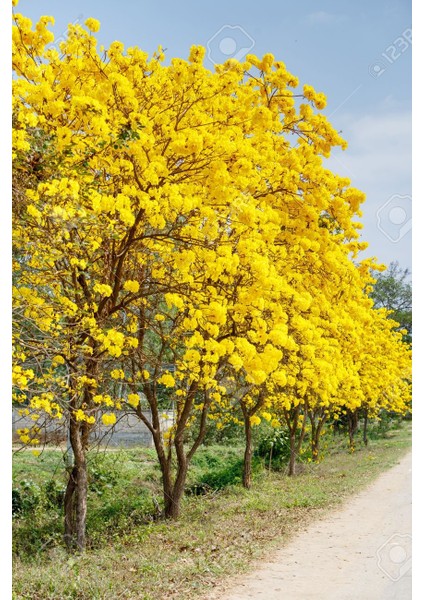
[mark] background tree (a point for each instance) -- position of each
(392, 290)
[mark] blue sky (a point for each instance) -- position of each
(357, 53)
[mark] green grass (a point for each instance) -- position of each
(132, 556)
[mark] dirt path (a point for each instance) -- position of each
(360, 552)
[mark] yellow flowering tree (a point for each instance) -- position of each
(174, 229)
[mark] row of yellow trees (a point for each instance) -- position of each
(176, 229)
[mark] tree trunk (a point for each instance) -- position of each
(69, 508)
(81, 501)
(314, 439)
(365, 434)
(315, 448)
(353, 427)
(316, 435)
(75, 505)
(293, 452)
(172, 506)
(173, 492)
(165, 467)
(248, 452)
(302, 435)
(292, 421)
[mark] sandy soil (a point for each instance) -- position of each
(360, 552)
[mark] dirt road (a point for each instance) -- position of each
(360, 552)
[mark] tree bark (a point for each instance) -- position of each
(317, 426)
(302, 434)
(315, 448)
(248, 452)
(75, 504)
(165, 467)
(69, 508)
(314, 438)
(353, 428)
(173, 503)
(291, 418)
(365, 433)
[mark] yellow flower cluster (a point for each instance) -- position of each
(108, 419)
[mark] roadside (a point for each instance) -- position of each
(220, 534)
(360, 551)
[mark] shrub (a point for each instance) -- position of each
(54, 494)
(218, 478)
(26, 497)
(274, 447)
(387, 421)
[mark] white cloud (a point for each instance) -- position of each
(379, 151)
(378, 162)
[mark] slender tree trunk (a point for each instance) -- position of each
(335, 426)
(69, 508)
(314, 438)
(173, 490)
(75, 505)
(248, 452)
(316, 435)
(81, 501)
(353, 427)
(315, 447)
(165, 467)
(292, 419)
(172, 506)
(302, 435)
(365, 433)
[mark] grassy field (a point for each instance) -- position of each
(133, 555)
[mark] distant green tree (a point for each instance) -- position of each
(393, 290)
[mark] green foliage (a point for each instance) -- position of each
(393, 291)
(54, 494)
(214, 468)
(26, 497)
(102, 475)
(231, 434)
(386, 422)
(275, 446)
(231, 474)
